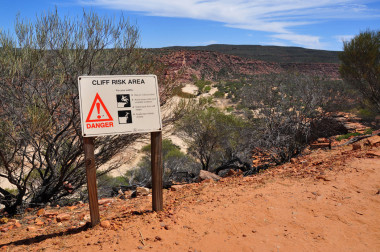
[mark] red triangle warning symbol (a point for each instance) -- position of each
(101, 113)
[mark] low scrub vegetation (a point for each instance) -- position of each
(353, 134)
(202, 85)
(215, 138)
(177, 166)
(40, 134)
(360, 67)
(276, 116)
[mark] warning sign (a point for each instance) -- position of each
(101, 114)
(119, 104)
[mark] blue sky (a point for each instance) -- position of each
(316, 24)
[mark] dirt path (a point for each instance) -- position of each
(326, 201)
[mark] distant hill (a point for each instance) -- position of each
(277, 54)
(212, 65)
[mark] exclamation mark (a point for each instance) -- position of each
(98, 108)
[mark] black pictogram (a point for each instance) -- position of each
(125, 116)
(123, 100)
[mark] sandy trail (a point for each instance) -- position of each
(326, 201)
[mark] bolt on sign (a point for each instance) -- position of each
(119, 104)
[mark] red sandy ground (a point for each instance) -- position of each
(326, 201)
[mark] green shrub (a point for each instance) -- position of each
(175, 164)
(368, 131)
(207, 89)
(12, 191)
(360, 66)
(232, 88)
(215, 138)
(202, 84)
(348, 135)
(240, 106)
(107, 180)
(230, 109)
(366, 114)
(219, 94)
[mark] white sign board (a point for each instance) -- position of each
(119, 104)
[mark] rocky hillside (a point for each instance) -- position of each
(278, 54)
(211, 65)
(327, 200)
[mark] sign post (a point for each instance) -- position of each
(157, 171)
(88, 146)
(120, 104)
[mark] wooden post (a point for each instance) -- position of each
(88, 146)
(157, 172)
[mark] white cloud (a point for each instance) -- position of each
(275, 16)
(210, 42)
(203, 43)
(273, 43)
(304, 40)
(341, 38)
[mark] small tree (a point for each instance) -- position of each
(288, 106)
(176, 165)
(215, 139)
(361, 66)
(40, 135)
